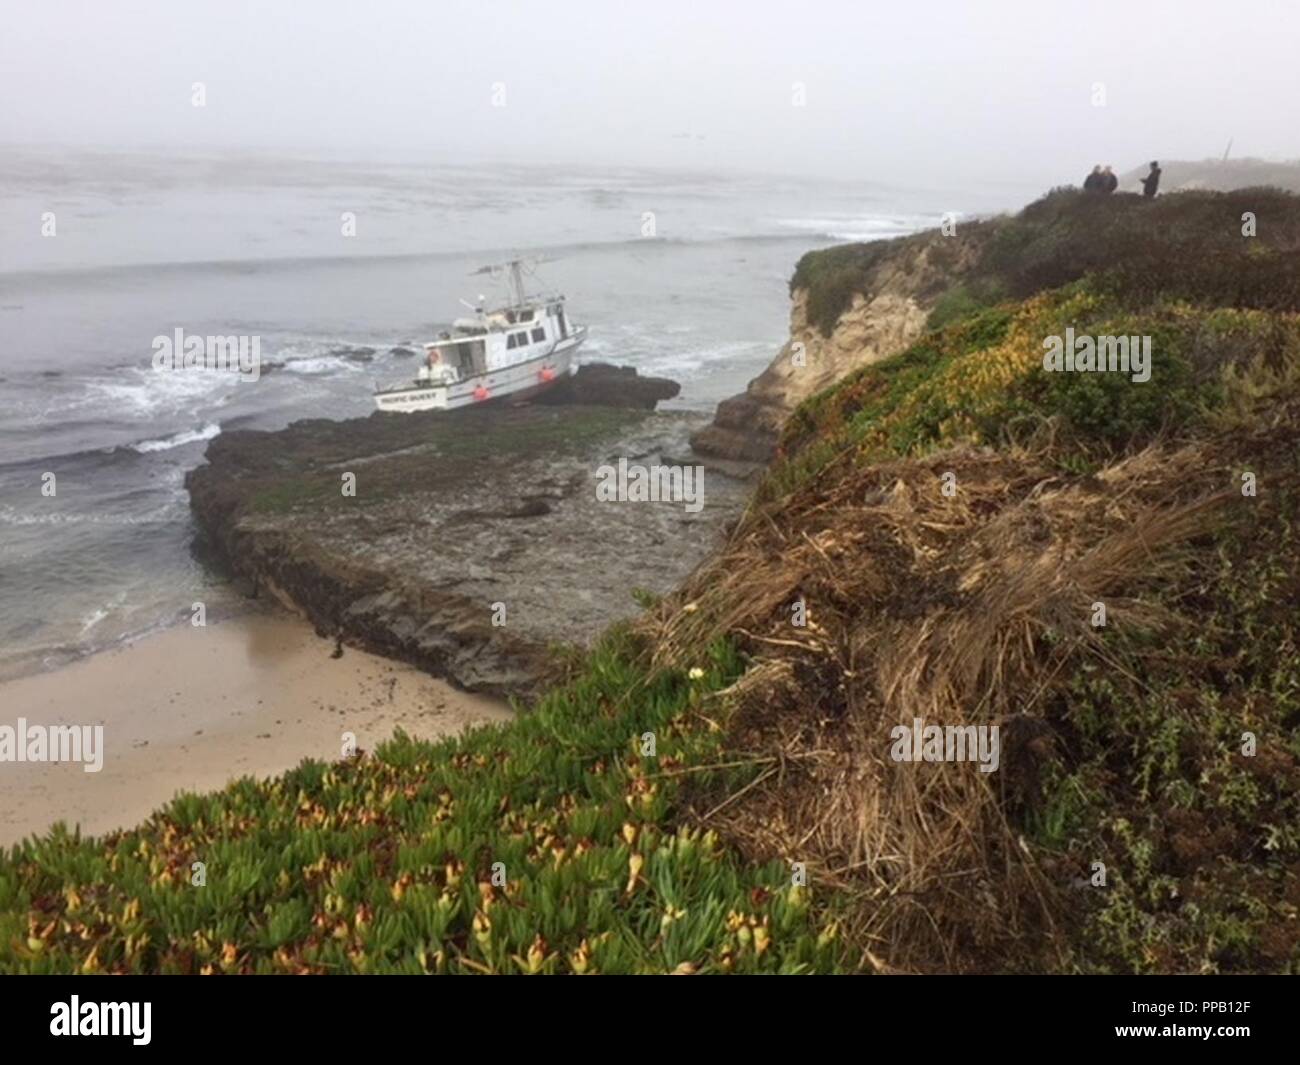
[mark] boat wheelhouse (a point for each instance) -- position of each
(515, 350)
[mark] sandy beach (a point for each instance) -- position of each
(190, 709)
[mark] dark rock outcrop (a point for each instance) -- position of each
(474, 540)
(360, 354)
(603, 385)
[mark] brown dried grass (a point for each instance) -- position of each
(957, 610)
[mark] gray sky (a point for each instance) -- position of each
(894, 91)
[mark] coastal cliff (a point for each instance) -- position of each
(855, 305)
(1083, 561)
(1098, 570)
(895, 285)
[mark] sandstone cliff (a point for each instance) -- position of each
(896, 282)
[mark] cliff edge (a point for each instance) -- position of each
(856, 304)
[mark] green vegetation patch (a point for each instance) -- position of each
(833, 276)
(964, 300)
(981, 381)
(389, 862)
(1177, 767)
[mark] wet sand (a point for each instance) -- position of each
(190, 709)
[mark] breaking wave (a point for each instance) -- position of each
(189, 436)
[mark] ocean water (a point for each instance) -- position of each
(678, 274)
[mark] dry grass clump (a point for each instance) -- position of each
(957, 609)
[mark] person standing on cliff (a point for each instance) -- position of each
(1152, 181)
(1109, 182)
(1092, 183)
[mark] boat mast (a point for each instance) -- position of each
(517, 278)
(513, 272)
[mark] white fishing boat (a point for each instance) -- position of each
(516, 350)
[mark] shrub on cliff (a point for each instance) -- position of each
(1188, 245)
(832, 277)
(982, 382)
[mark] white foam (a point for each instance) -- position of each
(322, 364)
(647, 349)
(153, 393)
(189, 436)
(91, 620)
(177, 510)
(868, 227)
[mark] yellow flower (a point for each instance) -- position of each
(482, 926)
(580, 958)
(536, 956)
(634, 864)
(696, 673)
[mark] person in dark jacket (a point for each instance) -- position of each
(1152, 181)
(1092, 183)
(1109, 182)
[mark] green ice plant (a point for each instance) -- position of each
(545, 845)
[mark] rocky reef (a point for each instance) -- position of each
(471, 542)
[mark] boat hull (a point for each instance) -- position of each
(515, 382)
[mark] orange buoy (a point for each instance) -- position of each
(481, 393)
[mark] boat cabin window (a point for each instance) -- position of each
(539, 334)
(525, 316)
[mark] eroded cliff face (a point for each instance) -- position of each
(882, 320)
